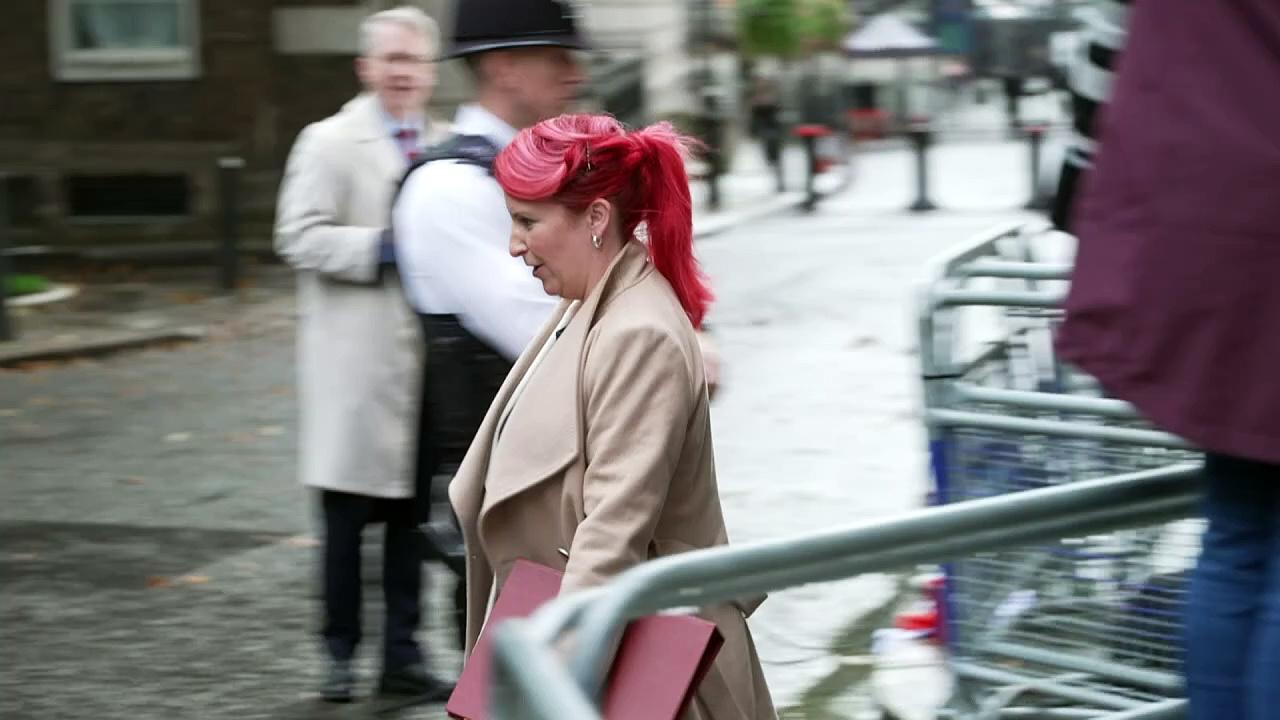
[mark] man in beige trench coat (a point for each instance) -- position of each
(359, 345)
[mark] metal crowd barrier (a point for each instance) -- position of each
(1085, 626)
(1053, 507)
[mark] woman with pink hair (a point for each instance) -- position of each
(596, 454)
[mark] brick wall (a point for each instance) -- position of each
(247, 101)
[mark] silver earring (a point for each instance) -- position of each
(596, 242)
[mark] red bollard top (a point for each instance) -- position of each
(811, 131)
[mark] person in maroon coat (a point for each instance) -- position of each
(1175, 306)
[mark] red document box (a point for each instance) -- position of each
(660, 662)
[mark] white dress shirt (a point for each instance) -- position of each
(452, 233)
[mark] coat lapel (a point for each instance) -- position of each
(541, 437)
(544, 430)
(370, 130)
(467, 490)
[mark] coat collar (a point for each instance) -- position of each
(365, 120)
(476, 491)
(368, 119)
(368, 123)
(473, 119)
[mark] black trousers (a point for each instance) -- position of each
(345, 517)
(461, 377)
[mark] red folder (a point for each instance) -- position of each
(659, 665)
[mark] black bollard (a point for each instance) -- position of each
(713, 137)
(773, 154)
(1035, 138)
(6, 328)
(810, 173)
(809, 135)
(920, 138)
(229, 169)
(713, 179)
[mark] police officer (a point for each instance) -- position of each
(479, 306)
(451, 220)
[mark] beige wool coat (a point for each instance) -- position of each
(359, 343)
(607, 454)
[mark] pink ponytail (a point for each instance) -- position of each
(575, 159)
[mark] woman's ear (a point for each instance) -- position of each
(599, 213)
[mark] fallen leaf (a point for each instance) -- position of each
(177, 437)
(158, 581)
(188, 298)
(134, 480)
(194, 579)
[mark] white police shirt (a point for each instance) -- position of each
(452, 233)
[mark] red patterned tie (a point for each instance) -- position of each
(408, 140)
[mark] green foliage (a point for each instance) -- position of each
(24, 285)
(824, 23)
(790, 28)
(769, 27)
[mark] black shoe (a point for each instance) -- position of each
(340, 685)
(415, 680)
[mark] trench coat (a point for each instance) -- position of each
(359, 349)
(1174, 304)
(607, 455)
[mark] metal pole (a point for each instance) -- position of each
(713, 133)
(1047, 686)
(810, 186)
(920, 140)
(708, 576)
(6, 329)
(714, 159)
(530, 683)
(1054, 428)
(779, 179)
(1015, 269)
(1035, 138)
(229, 169)
(1172, 709)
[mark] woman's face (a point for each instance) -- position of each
(556, 243)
